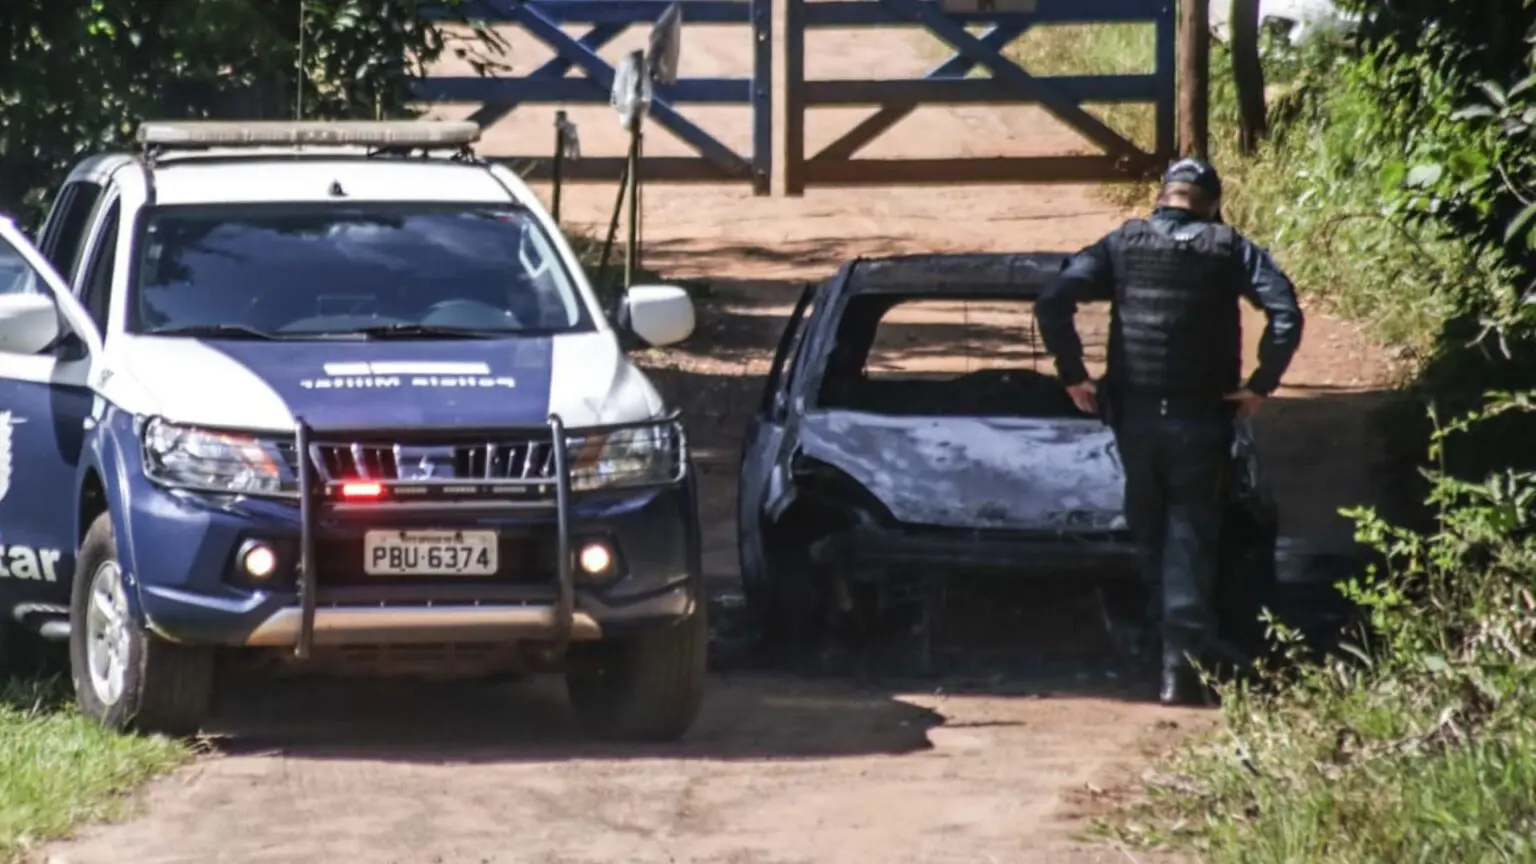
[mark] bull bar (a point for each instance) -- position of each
(319, 494)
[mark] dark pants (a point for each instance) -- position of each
(1176, 472)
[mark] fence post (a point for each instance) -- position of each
(1194, 78)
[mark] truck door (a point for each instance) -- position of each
(45, 401)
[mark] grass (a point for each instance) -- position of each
(57, 768)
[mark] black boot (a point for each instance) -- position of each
(1181, 684)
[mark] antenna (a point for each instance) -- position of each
(298, 98)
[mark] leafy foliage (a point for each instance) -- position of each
(78, 76)
(1417, 742)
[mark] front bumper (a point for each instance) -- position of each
(533, 621)
(184, 546)
(867, 550)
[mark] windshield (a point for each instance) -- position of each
(297, 271)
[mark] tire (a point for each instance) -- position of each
(789, 604)
(646, 688)
(140, 683)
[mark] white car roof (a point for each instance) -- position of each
(313, 176)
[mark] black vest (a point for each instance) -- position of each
(1176, 328)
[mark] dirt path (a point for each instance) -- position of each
(998, 767)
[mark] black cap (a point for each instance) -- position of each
(1196, 173)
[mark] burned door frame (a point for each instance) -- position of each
(768, 429)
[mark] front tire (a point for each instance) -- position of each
(788, 602)
(125, 677)
(645, 688)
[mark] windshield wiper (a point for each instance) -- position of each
(227, 331)
(427, 331)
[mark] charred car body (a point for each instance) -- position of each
(856, 482)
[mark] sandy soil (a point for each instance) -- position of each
(1001, 766)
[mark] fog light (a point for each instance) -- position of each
(258, 560)
(595, 559)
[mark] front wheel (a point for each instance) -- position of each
(647, 687)
(125, 677)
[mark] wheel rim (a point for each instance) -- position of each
(106, 636)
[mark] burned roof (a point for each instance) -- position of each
(1017, 274)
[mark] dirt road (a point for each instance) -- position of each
(998, 766)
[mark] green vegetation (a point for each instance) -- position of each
(78, 77)
(1396, 189)
(57, 768)
(1418, 741)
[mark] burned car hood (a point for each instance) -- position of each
(977, 472)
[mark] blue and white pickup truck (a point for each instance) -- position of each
(338, 395)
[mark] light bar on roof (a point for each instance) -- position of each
(267, 133)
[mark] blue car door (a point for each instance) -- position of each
(47, 345)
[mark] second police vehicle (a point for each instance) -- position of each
(340, 394)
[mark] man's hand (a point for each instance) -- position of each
(1248, 402)
(1085, 397)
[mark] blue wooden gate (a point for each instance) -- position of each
(834, 165)
(1063, 96)
(606, 19)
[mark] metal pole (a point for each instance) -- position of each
(613, 229)
(307, 564)
(631, 248)
(631, 253)
(565, 601)
(559, 160)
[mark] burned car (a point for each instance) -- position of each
(894, 447)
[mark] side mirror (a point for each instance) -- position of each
(28, 323)
(659, 314)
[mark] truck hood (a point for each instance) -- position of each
(402, 384)
(976, 472)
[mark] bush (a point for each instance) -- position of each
(1418, 741)
(1398, 188)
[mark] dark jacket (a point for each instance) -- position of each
(1090, 277)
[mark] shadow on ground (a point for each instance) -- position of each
(1014, 639)
(1040, 641)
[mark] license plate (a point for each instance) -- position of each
(429, 553)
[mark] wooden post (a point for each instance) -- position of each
(1194, 78)
(1248, 75)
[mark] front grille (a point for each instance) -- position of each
(521, 460)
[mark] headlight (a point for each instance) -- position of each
(627, 457)
(210, 460)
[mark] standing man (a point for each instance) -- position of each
(1173, 387)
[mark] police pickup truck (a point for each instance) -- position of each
(337, 395)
